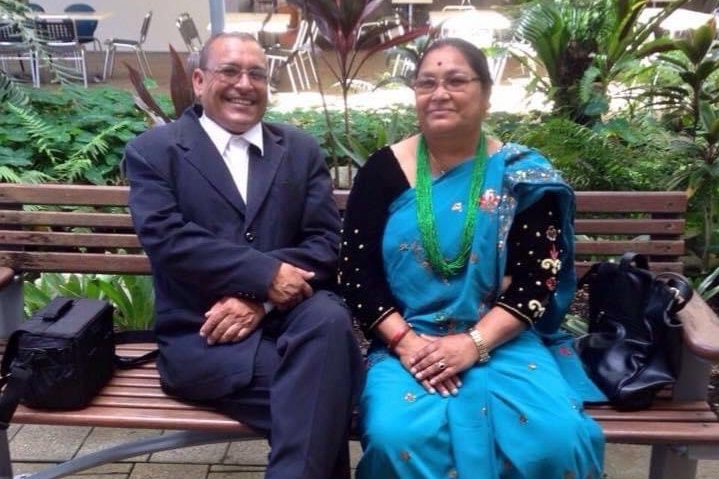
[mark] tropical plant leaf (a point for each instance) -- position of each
(147, 99)
(181, 91)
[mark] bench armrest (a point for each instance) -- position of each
(6, 276)
(701, 328)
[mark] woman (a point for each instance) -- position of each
(458, 263)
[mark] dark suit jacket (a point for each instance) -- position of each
(205, 243)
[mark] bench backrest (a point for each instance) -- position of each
(87, 229)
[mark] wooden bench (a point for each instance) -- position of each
(40, 231)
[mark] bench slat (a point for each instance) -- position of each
(631, 202)
(75, 262)
(67, 218)
(74, 239)
(633, 226)
(618, 248)
(634, 432)
(62, 194)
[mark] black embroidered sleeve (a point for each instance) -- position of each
(361, 275)
(533, 248)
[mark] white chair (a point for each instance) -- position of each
(292, 59)
(135, 45)
(58, 43)
(14, 47)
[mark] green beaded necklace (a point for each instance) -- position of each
(425, 213)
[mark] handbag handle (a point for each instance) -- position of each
(639, 260)
(680, 287)
(54, 310)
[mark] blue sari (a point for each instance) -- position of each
(521, 414)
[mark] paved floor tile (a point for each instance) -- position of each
(236, 472)
(169, 471)
(206, 454)
(625, 461)
(49, 443)
(102, 437)
(355, 453)
(254, 452)
(12, 430)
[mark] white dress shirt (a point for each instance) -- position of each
(234, 150)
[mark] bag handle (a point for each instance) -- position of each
(680, 287)
(54, 310)
(639, 260)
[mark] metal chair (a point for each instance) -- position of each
(85, 28)
(136, 45)
(14, 47)
(188, 31)
(58, 42)
(293, 58)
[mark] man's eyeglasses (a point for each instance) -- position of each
(233, 74)
(426, 85)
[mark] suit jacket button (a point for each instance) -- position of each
(250, 236)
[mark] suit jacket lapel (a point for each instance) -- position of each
(202, 154)
(262, 171)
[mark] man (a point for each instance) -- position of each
(237, 218)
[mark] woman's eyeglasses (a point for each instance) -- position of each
(425, 85)
(233, 74)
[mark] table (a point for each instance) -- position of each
(252, 22)
(680, 20)
(72, 15)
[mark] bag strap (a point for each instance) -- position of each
(15, 383)
(135, 336)
(680, 287)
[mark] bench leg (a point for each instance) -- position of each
(5, 464)
(170, 440)
(693, 379)
(11, 307)
(669, 463)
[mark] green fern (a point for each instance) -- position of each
(10, 175)
(11, 93)
(40, 132)
(97, 146)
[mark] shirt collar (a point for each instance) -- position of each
(221, 137)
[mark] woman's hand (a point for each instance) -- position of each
(443, 358)
(411, 346)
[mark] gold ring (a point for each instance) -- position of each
(441, 365)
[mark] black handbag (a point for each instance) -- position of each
(62, 356)
(633, 344)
